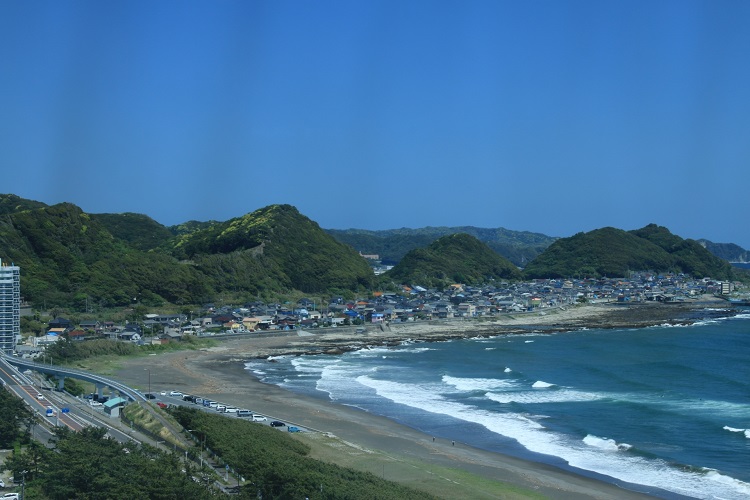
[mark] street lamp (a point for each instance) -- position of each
(203, 442)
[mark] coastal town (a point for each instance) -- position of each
(411, 304)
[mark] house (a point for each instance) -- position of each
(91, 325)
(60, 323)
(76, 335)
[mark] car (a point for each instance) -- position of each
(244, 413)
(10, 496)
(176, 394)
(259, 418)
(150, 396)
(276, 423)
(230, 409)
(163, 393)
(39, 396)
(293, 428)
(95, 403)
(161, 405)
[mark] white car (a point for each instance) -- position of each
(259, 418)
(39, 397)
(95, 403)
(176, 394)
(10, 496)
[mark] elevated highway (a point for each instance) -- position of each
(60, 372)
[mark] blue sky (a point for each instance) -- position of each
(547, 116)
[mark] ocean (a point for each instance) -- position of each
(663, 410)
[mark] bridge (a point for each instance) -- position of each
(60, 372)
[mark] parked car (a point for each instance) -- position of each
(176, 394)
(259, 418)
(230, 410)
(292, 428)
(276, 423)
(220, 408)
(161, 405)
(94, 403)
(150, 396)
(244, 413)
(10, 496)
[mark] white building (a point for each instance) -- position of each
(10, 306)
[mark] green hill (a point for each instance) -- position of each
(456, 258)
(72, 259)
(391, 245)
(69, 258)
(10, 203)
(274, 247)
(138, 230)
(614, 252)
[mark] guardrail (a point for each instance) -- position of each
(73, 373)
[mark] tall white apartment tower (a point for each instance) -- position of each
(10, 306)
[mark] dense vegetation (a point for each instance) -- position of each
(84, 262)
(10, 203)
(275, 245)
(72, 259)
(67, 258)
(456, 258)
(392, 245)
(275, 465)
(614, 252)
(86, 464)
(15, 420)
(137, 230)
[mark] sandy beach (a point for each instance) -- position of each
(370, 442)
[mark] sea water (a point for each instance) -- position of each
(663, 410)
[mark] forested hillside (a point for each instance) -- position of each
(614, 252)
(520, 247)
(73, 259)
(456, 258)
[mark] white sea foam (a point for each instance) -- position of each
(542, 397)
(534, 437)
(606, 444)
(539, 384)
(528, 341)
(746, 432)
(479, 384)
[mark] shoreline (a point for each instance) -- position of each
(220, 373)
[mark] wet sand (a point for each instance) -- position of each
(219, 373)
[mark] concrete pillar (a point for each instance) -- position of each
(99, 390)
(60, 382)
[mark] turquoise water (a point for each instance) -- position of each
(664, 410)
